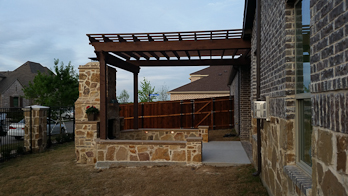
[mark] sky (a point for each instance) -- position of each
(41, 31)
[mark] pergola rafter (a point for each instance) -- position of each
(131, 51)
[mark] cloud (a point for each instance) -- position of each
(41, 30)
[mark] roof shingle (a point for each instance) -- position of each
(216, 80)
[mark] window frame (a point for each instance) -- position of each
(300, 98)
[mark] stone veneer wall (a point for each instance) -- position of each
(91, 150)
(329, 88)
(183, 96)
(113, 153)
(86, 132)
(165, 134)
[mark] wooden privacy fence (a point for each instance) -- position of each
(217, 113)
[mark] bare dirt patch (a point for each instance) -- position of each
(218, 135)
(55, 172)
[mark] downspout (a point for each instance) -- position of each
(258, 97)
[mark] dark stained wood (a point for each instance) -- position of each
(165, 54)
(112, 60)
(150, 38)
(211, 62)
(135, 113)
(176, 55)
(106, 39)
(188, 54)
(135, 38)
(154, 55)
(103, 109)
(121, 39)
(144, 55)
(235, 53)
(165, 38)
(133, 55)
(122, 55)
(171, 45)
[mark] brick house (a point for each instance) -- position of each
(299, 64)
(205, 83)
(12, 83)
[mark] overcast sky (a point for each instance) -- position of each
(41, 30)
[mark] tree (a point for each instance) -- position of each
(124, 97)
(163, 95)
(146, 89)
(58, 88)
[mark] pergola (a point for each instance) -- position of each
(131, 51)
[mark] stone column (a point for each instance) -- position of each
(86, 132)
(204, 130)
(35, 130)
(194, 150)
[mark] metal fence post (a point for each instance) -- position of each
(31, 130)
(49, 141)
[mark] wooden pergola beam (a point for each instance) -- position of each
(211, 62)
(114, 61)
(171, 45)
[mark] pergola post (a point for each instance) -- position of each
(103, 98)
(135, 122)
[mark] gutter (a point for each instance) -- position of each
(258, 97)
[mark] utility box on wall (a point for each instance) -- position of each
(260, 110)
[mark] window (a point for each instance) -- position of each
(303, 96)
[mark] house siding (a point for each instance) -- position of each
(329, 95)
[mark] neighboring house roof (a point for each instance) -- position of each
(216, 81)
(23, 74)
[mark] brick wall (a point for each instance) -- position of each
(329, 88)
(245, 105)
(183, 96)
(15, 90)
(234, 90)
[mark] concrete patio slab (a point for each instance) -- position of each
(224, 153)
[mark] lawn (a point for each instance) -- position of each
(55, 172)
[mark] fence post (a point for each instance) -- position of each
(231, 109)
(213, 114)
(142, 115)
(193, 113)
(181, 102)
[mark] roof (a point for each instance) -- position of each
(216, 81)
(23, 74)
(204, 71)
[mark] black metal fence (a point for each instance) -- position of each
(60, 129)
(60, 125)
(11, 133)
